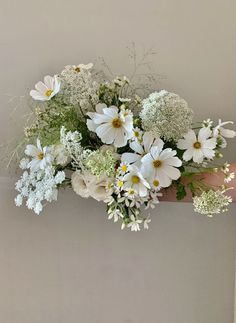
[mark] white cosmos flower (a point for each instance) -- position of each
(198, 147)
(110, 125)
(45, 91)
(141, 149)
(159, 165)
(80, 67)
(135, 180)
(41, 157)
(220, 131)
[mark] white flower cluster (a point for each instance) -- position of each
(166, 115)
(37, 187)
(79, 87)
(71, 142)
(116, 155)
(211, 202)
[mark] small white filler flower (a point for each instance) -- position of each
(110, 125)
(41, 157)
(222, 133)
(45, 91)
(198, 147)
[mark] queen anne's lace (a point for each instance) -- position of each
(166, 115)
(78, 88)
(37, 187)
(211, 202)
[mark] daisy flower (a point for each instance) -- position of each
(141, 149)
(198, 147)
(135, 180)
(111, 125)
(41, 157)
(159, 165)
(222, 133)
(80, 67)
(45, 91)
(137, 134)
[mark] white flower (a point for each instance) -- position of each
(80, 67)
(115, 214)
(220, 132)
(102, 189)
(166, 115)
(45, 91)
(121, 81)
(60, 154)
(211, 202)
(160, 165)
(86, 184)
(41, 156)
(141, 149)
(80, 183)
(134, 179)
(229, 177)
(111, 126)
(37, 187)
(198, 147)
(146, 222)
(207, 123)
(137, 134)
(134, 224)
(153, 200)
(24, 163)
(225, 167)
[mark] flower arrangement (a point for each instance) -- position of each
(100, 138)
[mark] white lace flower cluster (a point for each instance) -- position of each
(211, 202)
(37, 187)
(112, 153)
(78, 87)
(166, 115)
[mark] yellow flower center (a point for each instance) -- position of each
(124, 168)
(120, 183)
(157, 163)
(40, 156)
(156, 183)
(136, 134)
(116, 123)
(77, 69)
(135, 179)
(197, 145)
(131, 192)
(48, 93)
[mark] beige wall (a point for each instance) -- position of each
(72, 265)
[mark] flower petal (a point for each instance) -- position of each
(135, 146)
(204, 133)
(130, 158)
(106, 133)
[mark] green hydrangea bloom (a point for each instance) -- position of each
(100, 162)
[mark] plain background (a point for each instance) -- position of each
(71, 265)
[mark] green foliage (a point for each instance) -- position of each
(50, 119)
(180, 190)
